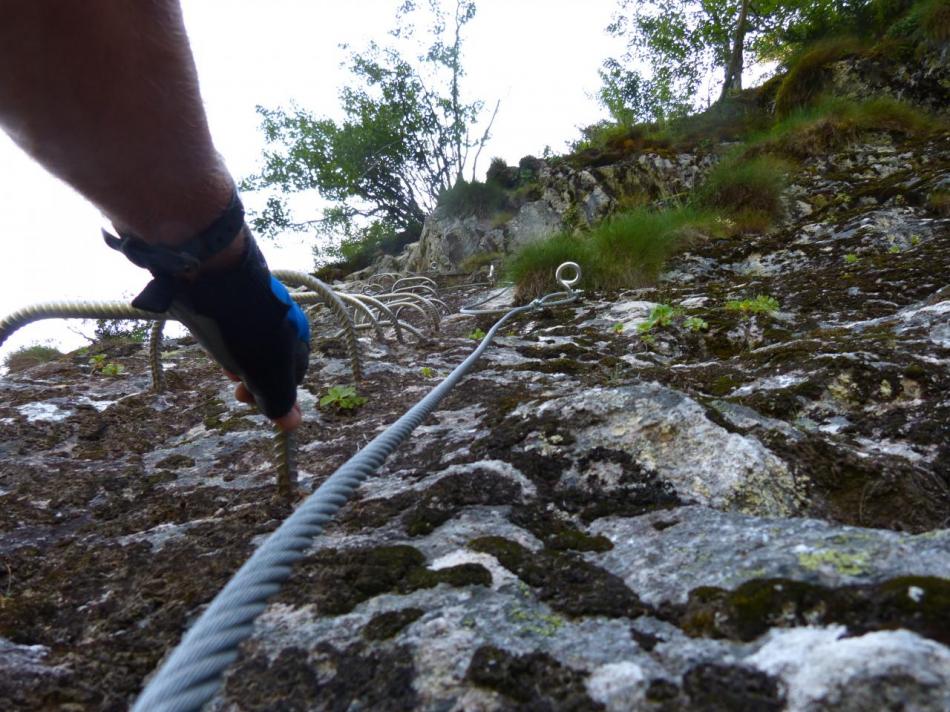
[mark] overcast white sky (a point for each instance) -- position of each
(540, 57)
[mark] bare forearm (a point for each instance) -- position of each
(105, 95)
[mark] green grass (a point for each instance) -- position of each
(29, 356)
(625, 251)
(835, 121)
(745, 188)
(809, 73)
(629, 249)
(532, 267)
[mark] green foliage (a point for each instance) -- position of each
(851, 259)
(617, 328)
(835, 121)
(129, 329)
(695, 323)
(745, 187)
(660, 316)
(342, 398)
(427, 372)
(404, 137)
(926, 20)
(629, 249)
(626, 250)
(532, 266)
(477, 199)
(809, 73)
(761, 304)
(29, 356)
(476, 334)
(99, 365)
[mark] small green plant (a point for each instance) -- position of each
(100, 365)
(695, 323)
(427, 372)
(851, 259)
(915, 240)
(342, 398)
(476, 334)
(112, 369)
(894, 249)
(762, 304)
(617, 328)
(661, 315)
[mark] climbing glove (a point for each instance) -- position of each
(243, 316)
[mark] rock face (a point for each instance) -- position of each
(739, 510)
(567, 198)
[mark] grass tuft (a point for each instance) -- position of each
(30, 356)
(748, 190)
(809, 73)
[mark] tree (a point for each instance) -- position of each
(405, 136)
(685, 41)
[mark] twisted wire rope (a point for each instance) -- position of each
(70, 310)
(335, 306)
(191, 674)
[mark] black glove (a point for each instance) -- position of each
(243, 316)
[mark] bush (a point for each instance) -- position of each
(500, 173)
(629, 249)
(532, 267)
(835, 121)
(29, 356)
(809, 73)
(746, 188)
(928, 20)
(477, 199)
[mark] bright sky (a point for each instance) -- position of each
(540, 57)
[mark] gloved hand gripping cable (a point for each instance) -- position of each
(242, 316)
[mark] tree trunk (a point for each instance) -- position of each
(733, 77)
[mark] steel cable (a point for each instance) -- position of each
(190, 676)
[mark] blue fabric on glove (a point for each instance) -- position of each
(246, 320)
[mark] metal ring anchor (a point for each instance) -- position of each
(562, 280)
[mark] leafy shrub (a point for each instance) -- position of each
(465, 199)
(29, 356)
(500, 173)
(750, 188)
(809, 73)
(99, 365)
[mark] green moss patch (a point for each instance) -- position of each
(535, 681)
(564, 581)
(337, 581)
(917, 603)
(387, 625)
